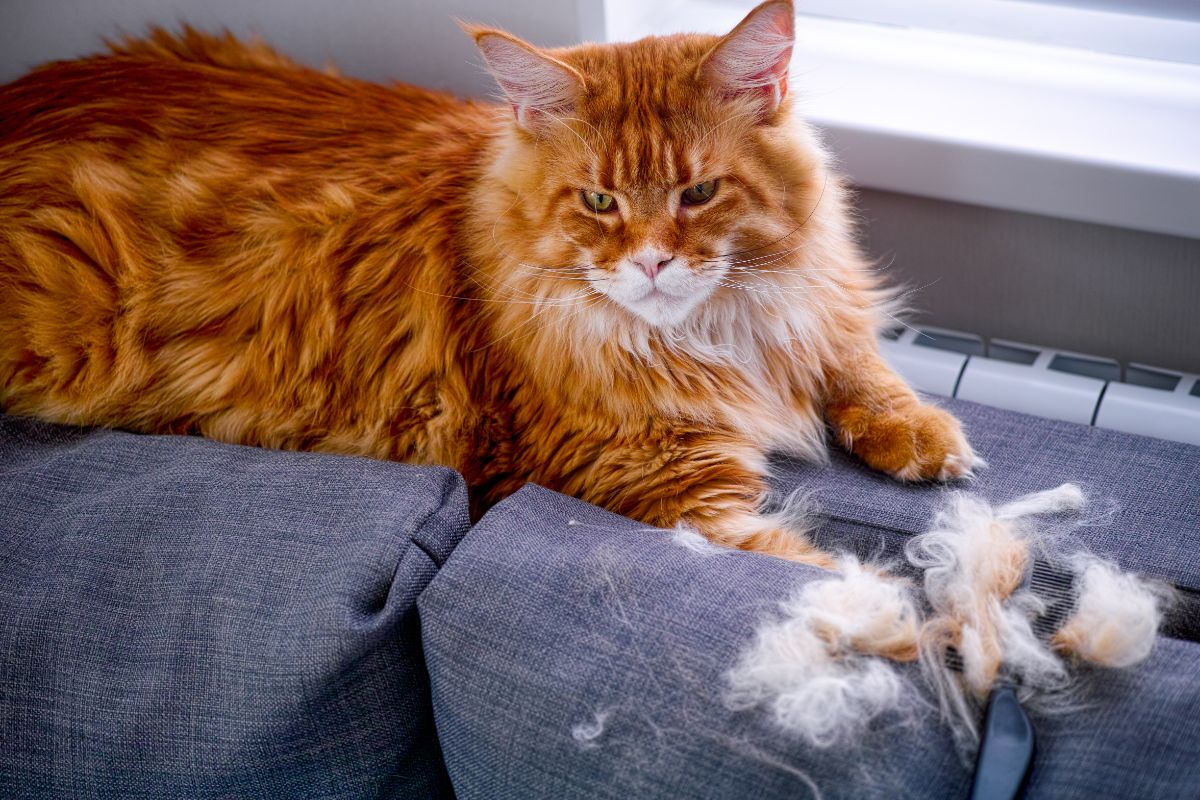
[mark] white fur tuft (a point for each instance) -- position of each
(860, 612)
(805, 668)
(975, 560)
(1116, 615)
(688, 537)
(1067, 497)
(816, 669)
(587, 732)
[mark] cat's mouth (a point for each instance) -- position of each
(661, 307)
(663, 300)
(660, 297)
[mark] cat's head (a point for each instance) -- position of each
(652, 176)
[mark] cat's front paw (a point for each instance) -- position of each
(914, 442)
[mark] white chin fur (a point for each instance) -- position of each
(665, 302)
(663, 311)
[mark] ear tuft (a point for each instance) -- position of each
(534, 82)
(752, 59)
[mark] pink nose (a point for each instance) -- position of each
(652, 261)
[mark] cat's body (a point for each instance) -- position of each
(198, 236)
(239, 253)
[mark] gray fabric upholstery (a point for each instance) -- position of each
(182, 618)
(536, 625)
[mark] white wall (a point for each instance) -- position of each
(411, 40)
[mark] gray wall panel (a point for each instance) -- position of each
(412, 40)
(1129, 295)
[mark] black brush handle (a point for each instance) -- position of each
(1005, 749)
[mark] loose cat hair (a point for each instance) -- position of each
(629, 282)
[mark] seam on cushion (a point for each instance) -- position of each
(460, 515)
(449, 515)
(425, 549)
(415, 541)
(505, 505)
(404, 551)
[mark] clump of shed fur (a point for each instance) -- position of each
(824, 670)
(1116, 617)
(815, 669)
(976, 559)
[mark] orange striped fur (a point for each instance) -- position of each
(199, 236)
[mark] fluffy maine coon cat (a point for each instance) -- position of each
(629, 283)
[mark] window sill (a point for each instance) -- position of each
(1026, 127)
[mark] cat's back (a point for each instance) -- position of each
(198, 234)
(218, 91)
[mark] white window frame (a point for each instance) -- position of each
(988, 120)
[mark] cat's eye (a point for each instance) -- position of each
(700, 193)
(599, 202)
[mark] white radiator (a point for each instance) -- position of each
(1049, 383)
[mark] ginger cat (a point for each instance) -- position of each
(629, 284)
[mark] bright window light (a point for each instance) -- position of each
(1167, 30)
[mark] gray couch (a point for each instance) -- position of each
(180, 618)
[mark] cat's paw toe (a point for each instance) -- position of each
(961, 464)
(917, 443)
(938, 449)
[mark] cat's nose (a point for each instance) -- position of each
(652, 260)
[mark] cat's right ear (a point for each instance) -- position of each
(751, 61)
(537, 85)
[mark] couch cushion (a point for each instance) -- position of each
(576, 654)
(182, 618)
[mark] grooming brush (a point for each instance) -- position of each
(1007, 741)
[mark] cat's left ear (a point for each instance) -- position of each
(752, 59)
(537, 85)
